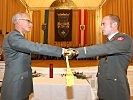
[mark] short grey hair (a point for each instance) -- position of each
(16, 17)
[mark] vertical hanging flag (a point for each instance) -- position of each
(82, 27)
(63, 25)
(46, 26)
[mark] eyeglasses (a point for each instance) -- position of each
(28, 20)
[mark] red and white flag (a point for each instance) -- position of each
(82, 27)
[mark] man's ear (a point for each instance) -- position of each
(114, 24)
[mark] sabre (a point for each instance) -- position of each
(69, 81)
(69, 74)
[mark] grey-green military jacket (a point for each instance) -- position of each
(115, 56)
(17, 83)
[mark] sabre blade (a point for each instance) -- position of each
(69, 74)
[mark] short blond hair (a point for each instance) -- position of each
(115, 18)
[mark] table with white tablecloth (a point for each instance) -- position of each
(55, 89)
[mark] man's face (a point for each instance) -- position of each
(25, 23)
(106, 26)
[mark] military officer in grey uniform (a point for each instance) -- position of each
(115, 56)
(17, 83)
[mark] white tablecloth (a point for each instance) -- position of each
(55, 89)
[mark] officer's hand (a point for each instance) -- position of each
(71, 53)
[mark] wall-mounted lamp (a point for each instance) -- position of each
(44, 26)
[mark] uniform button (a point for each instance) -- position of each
(115, 79)
(98, 73)
(22, 77)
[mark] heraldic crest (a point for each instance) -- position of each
(63, 25)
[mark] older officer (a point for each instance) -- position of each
(115, 56)
(17, 83)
